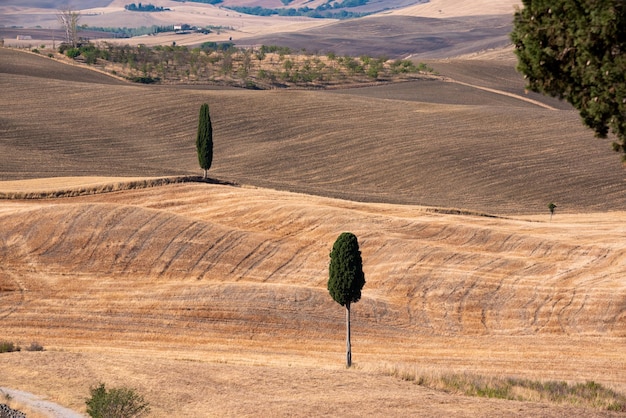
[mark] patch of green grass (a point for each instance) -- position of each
(8, 347)
(588, 394)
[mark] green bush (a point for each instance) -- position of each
(403, 67)
(72, 52)
(115, 403)
(8, 347)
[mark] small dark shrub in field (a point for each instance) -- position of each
(34, 346)
(115, 403)
(144, 79)
(8, 347)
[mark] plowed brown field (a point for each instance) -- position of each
(428, 142)
(211, 300)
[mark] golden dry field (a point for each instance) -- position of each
(210, 298)
(197, 294)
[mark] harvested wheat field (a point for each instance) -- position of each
(210, 297)
(198, 293)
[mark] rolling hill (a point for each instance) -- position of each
(163, 287)
(210, 298)
(433, 143)
(433, 29)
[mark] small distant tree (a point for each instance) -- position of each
(204, 139)
(551, 206)
(346, 278)
(115, 403)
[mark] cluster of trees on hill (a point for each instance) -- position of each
(223, 63)
(145, 8)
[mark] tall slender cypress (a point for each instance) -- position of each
(204, 139)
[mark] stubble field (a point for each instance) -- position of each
(210, 299)
(198, 293)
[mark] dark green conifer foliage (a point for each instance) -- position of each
(346, 278)
(204, 139)
(576, 50)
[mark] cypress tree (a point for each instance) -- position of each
(576, 50)
(346, 278)
(204, 139)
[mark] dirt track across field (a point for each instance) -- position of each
(39, 405)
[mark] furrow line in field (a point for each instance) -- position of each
(139, 224)
(141, 242)
(185, 248)
(12, 299)
(257, 251)
(262, 255)
(565, 321)
(64, 224)
(203, 262)
(101, 233)
(287, 267)
(176, 241)
(227, 251)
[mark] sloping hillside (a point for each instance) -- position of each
(201, 276)
(432, 29)
(430, 143)
(397, 36)
(457, 8)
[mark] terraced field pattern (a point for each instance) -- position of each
(210, 297)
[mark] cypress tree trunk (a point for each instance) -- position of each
(348, 347)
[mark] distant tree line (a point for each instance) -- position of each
(223, 63)
(317, 13)
(145, 8)
(130, 32)
(329, 10)
(202, 1)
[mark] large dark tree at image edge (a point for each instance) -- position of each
(204, 139)
(346, 278)
(576, 50)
